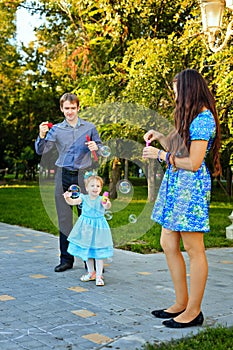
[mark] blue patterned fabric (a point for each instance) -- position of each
(183, 200)
(91, 235)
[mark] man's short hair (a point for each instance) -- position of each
(69, 97)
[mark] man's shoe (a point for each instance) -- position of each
(63, 267)
(165, 314)
(197, 321)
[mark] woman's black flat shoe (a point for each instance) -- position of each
(198, 321)
(165, 314)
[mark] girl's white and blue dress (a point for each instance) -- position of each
(91, 235)
(183, 200)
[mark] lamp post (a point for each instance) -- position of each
(212, 13)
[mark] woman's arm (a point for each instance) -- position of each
(192, 163)
(41, 143)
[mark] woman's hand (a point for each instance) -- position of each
(150, 152)
(152, 135)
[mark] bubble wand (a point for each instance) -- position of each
(93, 152)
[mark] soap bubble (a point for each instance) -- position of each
(108, 214)
(75, 195)
(105, 151)
(74, 188)
(132, 218)
(124, 186)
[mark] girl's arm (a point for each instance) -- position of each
(192, 163)
(71, 201)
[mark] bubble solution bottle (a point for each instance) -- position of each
(105, 197)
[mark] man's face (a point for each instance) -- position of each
(70, 111)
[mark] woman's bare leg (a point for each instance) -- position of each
(170, 242)
(194, 245)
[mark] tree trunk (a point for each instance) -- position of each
(126, 174)
(229, 180)
(115, 177)
(151, 180)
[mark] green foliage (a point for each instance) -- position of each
(107, 52)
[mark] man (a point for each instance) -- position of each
(74, 159)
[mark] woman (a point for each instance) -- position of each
(183, 199)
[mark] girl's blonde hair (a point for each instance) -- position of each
(94, 177)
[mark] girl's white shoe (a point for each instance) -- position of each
(88, 277)
(99, 281)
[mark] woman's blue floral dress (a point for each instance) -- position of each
(183, 200)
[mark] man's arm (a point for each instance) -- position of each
(44, 143)
(96, 138)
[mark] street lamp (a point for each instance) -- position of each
(212, 13)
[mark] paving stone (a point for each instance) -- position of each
(37, 305)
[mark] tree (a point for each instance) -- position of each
(221, 80)
(10, 71)
(113, 53)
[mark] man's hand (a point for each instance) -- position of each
(43, 129)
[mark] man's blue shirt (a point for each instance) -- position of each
(70, 142)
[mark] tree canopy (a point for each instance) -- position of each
(108, 52)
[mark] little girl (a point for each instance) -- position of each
(91, 237)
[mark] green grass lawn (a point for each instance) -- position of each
(32, 206)
(219, 338)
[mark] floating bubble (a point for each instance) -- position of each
(124, 186)
(74, 188)
(132, 218)
(105, 151)
(75, 195)
(108, 214)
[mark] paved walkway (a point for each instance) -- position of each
(42, 310)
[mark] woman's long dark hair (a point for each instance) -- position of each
(192, 95)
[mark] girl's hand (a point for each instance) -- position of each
(71, 201)
(67, 194)
(153, 135)
(107, 204)
(150, 152)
